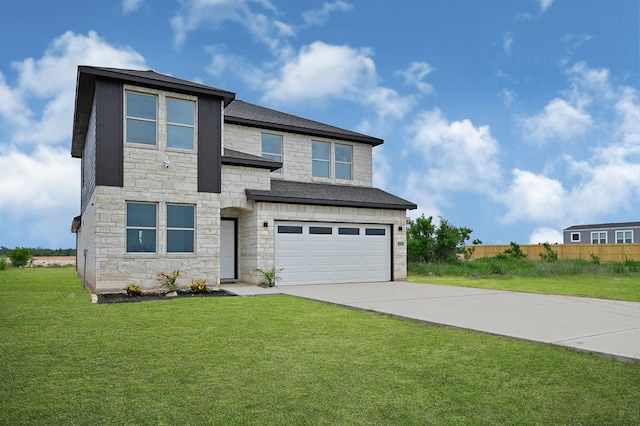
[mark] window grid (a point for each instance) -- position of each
(599, 237)
(575, 237)
(272, 148)
(180, 123)
(141, 228)
(343, 161)
(624, 237)
(180, 230)
(139, 121)
(321, 159)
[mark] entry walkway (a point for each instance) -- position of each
(606, 327)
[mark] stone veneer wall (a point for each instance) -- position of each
(296, 154)
(146, 179)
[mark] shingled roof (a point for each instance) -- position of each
(236, 158)
(151, 78)
(604, 226)
(246, 114)
(322, 194)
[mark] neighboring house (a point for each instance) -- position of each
(181, 176)
(603, 233)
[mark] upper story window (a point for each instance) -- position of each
(147, 125)
(624, 237)
(599, 237)
(320, 159)
(141, 227)
(324, 165)
(181, 123)
(272, 148)
(343, 161)
(141, 118)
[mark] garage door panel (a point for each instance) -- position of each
(332, 253)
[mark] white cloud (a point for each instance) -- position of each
(508, 98)
(323, 71)
(533, 198)
(558, 120)
(414, 75)
(545, 5)
(320, 16)
(129, 6)
(456, 155)
(52, 79)
(44, 180)
(573, 42)
(40, 182)
(507, 42)
(214, 13)
(546, 235)
(12, 105)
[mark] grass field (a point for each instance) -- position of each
(619, 281)
(279, 360)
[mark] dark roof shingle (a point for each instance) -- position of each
(244, 113)
(237, 158)
(323, 194)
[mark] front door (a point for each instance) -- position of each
(228, 249)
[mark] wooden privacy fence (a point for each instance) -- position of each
(605, 252)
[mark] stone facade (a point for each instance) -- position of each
(158, 175)
(296, 154)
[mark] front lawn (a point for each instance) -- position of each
(279, 360)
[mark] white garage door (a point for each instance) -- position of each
(321, 253)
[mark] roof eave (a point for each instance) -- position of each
(323, 202)
(302, 130)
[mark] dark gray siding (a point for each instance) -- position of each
(610, 229)
(209, 145)
(109, 133)
(89, 162)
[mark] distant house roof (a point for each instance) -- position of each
(617, 225)
(246, 114)
(237, 158)
(322, 194)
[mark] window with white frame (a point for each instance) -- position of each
(575, 237)
(272, 148)
(320, 159)
(325, 165)
(624, 237)
(180, 228)
(599, 237)
(181, 123)
(141, 227)
(344, 155)
(141, 117)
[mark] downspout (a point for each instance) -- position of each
(84, 269)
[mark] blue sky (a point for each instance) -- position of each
(515, 118)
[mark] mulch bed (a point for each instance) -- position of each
(145, 297)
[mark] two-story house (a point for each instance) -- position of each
(181, 176)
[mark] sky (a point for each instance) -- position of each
(515, 118)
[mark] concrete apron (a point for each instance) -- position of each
(605, 327)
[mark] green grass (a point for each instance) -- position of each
(616, 281)
(279, 360)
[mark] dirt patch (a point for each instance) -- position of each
(54, 260)
(124, 298)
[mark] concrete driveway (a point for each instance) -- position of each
(605, 327)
